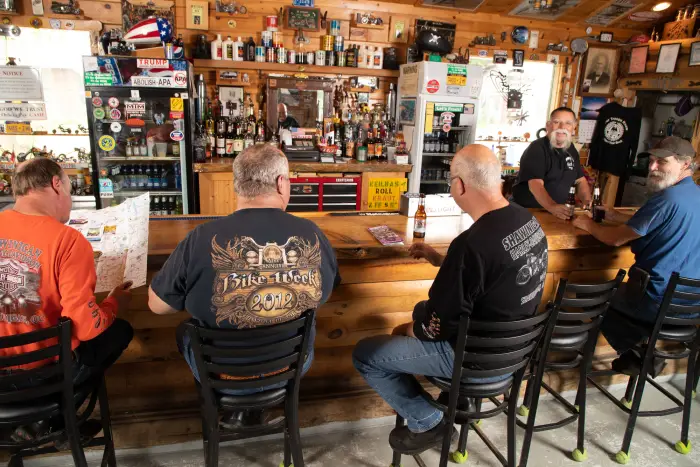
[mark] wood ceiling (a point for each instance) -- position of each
(577, 14)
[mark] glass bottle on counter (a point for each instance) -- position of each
(597, 205)
(260, 127)
(571, 200)
(421, 219)
(238, 139)
(230, 136)
(200, 144)
(221, 137)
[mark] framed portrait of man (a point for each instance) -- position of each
(599, 77)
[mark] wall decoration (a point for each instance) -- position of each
(613, 12)
(307, 19)
(668, 54)
(518, 58)
(638, 59)
(38, 7)
(590, 107)
(197, 14)
(520, 35)
(600, 71)
(407, 111)
(694, 59)
(682, 29)
(135, 11)
(230, 7)
(500, 57)
(552, 58)
(526, 9)
(606, 37)
(399, 29)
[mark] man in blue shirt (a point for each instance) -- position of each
(664, 235)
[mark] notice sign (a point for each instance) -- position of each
(22, 111)
(20, 83)
(385, 193)
(98, 79)
(456, 75)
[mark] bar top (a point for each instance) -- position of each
(351, 239)
(223, 165)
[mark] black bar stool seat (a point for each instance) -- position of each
(677, 333)
(568, 341)
(46, 407)
(252, 401)
(470, 389)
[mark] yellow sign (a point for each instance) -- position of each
(23, 128)
(384, 194)
(176, 104)
(456, 80)
(106, 143)
(429, 112)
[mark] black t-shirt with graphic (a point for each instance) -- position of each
(255, 267)
(495, 271)
(558, 169)
(615, 138)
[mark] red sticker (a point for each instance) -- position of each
(177, 115)
(113, 102)
(446, 127)
(97, 102)
(433, 86)
(115, 114)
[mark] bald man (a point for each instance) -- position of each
(494, 271)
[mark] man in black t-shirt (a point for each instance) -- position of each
(284, 120)
(225, 271)
(549, 166)
(495, 271)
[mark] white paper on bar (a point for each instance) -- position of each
(119, 239)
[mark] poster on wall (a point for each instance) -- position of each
(134, 11)
(613, 12)
(20, 83)
(22, 111)
(600, 71)
(527, 9)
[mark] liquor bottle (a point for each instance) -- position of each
(129, 151)
(200, 144)
(260, 127)
(248, 141)
(250, 117)
(238, 139)
(228, 49)
(597, 205)
(421, 219)
(250, 50)
(379, 148)
(230, 136)
(217, 48)
(178, 206)
(143, 148)
(238, 50)
(210, 127)
(152, 209)
(571, 200)
(148, 174)
(221, 129)
(370, 145)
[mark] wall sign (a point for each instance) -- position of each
(197, 14)
(306, 19)
(20, 83)
(22, 111)
(384, 194)
(98, 79)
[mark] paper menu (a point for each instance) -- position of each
(385, 235)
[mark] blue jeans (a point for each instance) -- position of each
(387, 363)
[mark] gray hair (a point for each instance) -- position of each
(691, 159)
(256, 170)
(478, 174)
(35, 174)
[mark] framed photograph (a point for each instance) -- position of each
(600, 71)
(518, 58)
(606, 37)
(694, 59)
(638, 59)
(197, 14)
(407, 111)
(668, 54)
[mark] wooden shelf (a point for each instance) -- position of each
(288, 68)
(45, 134)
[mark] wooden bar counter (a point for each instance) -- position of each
(151, 389)
(215, 179)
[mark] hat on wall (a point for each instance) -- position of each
(673, 146)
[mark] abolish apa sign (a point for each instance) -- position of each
(178, 80)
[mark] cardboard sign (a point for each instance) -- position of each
(20, 83)
(22, 111)
(384, 194)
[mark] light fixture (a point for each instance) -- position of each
(661, 6)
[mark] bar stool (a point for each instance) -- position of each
(581, 308)
(45, 392)
(672, 324)
(505, 357)
(216, 350)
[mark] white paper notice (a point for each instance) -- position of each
(585, 131)
(119, 239)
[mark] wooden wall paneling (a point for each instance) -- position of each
(216, 195)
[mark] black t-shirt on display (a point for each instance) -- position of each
(558, 169)
(615, 138)
(495, 271)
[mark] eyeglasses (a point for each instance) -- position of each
(449, 182)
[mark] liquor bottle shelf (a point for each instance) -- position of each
(293, 68)
(139, 159)
(150, 192)
(46, 134)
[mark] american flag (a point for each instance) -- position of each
(150, 31)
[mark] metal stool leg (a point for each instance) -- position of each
(108, 458)
(396, 460)
(683, 446)
(74, 437)
(629, 392)
(446, 444)
(15, 461)
(580, 453)
(292, 416)
(623, 456)
(287, 462)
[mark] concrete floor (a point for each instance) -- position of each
(365, 443)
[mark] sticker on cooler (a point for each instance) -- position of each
(98, 113)
(134, 109)
(115, 114)
(113, 102)
(177, 107)
(97, 102)
(177, 135)
(178, 80)
(152, 63)
(116, 127)
(106, 143)
(433, 86)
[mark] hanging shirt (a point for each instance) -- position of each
(615, 138)
(558, 168)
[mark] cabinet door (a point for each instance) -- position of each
(216, 195)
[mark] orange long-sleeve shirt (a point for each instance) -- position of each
(47, 271)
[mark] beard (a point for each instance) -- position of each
(658, 181)
(564, 143)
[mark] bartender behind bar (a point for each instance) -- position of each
(550, 166)
(285, 121)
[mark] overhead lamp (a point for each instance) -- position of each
(661, 6)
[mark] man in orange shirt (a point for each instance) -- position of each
(47, 271)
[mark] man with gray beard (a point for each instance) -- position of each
(550, 166)
(664, 236)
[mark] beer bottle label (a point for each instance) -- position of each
(419, 225)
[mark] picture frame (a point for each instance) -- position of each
(668, 56)
(638, 60)
(694, 57)
(306, 19)
(197, 14)
(606, 37)
(518, 58)
(407, 111)
(599, 77)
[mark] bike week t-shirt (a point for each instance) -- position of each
(494, 271)
(558, 169)
(255, 267)
(47, 271)
(669, 225)
(615, 138)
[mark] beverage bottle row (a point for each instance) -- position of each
(439, 142)
(231, 134)
(165, 205)
(365, 137)
(142, 177)
(434, 174)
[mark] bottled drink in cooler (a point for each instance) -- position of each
(178, 206)
(153, 206)
(149, 177)
(155, 176)
(178, 180)
(171, 205)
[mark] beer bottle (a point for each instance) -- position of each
(421, 218)
(571, 200)
(596, 206)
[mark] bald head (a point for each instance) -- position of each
(478, 168)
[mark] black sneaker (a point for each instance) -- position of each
(404, 441)
(630, 363)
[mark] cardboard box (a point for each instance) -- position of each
(435, 205)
